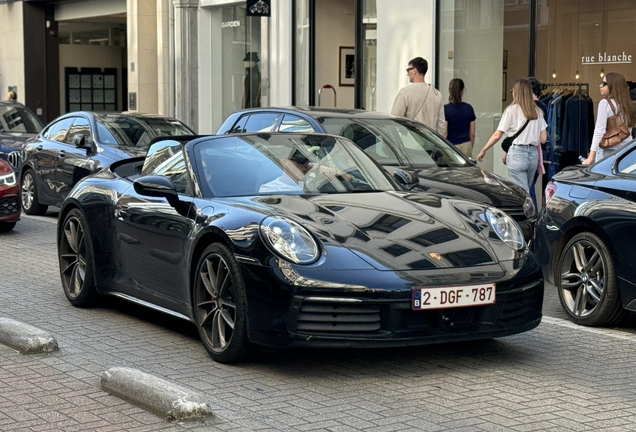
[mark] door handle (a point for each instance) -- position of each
(61, 153)
(38, 148)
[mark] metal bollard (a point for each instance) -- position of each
(328, 86)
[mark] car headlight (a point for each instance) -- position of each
(8, 180)
(528, 207)
(506, 228)
(289, 240)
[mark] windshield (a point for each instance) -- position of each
(18, 119)
(264, 164)
(128, 131)
(397, 142)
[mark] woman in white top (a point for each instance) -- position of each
(523, 156)
(613, 88)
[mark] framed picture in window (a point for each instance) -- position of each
(504, 87)
(347, 66)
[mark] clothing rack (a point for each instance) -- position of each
(580, 86)
(583, 89)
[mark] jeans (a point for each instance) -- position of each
(522, 163)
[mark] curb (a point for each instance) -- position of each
(26, 338)
(159, 396)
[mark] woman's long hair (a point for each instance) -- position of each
(455, 89)
(522, 96)
(619, 91)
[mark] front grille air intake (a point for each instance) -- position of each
(333, 317)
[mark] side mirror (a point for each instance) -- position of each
(472, 161)
(407, 179)
(81, 141)
(157, 186)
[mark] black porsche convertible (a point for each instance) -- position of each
(287, 240)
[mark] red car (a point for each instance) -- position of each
(9, 197)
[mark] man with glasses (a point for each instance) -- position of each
(420, 101)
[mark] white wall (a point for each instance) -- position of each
(89, 56)
(11, 49)
(476, 40)
(280, 54)
(406, 29)
(335, 27)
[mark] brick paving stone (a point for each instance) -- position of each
(558, 377)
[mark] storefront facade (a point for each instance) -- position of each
(200, 60)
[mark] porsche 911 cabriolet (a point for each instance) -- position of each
(284, 240)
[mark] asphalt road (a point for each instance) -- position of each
(557, 377)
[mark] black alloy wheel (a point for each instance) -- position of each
(587, 284)
(29, 195)
(219, 305)
(75, 255)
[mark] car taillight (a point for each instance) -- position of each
(550, 189)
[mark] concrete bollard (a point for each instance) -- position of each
(154, 394)
(26, 338)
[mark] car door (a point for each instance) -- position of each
(44, 158)
(73, 163)
(152, 235)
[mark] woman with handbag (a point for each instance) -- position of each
(614, 119)
(525, 127)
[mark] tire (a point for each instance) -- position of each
(29, 195)
(6, 226)
(220, 307)
(587, 283)
(75, 254)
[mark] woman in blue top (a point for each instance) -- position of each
(460, 119)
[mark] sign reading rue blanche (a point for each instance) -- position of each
(605, 58)
(260, 8)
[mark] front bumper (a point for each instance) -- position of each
(9, 208)
(327, 318)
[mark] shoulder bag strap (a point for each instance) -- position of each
(520, 130)
(423, 103)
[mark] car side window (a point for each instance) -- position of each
(372, 144)
(239, 126)
(80, 126)
(295, 124)
(261, 122)
(57, 131)
(166, 158)
(627, 164)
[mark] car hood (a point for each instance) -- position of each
(469, 183)
(394, 230)
(14, 140)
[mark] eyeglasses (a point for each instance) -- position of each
(603, 83)
(409, 69)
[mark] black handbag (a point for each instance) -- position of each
(507, 142)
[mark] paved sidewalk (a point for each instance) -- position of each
(558, 377)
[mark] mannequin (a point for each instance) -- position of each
(252, 81)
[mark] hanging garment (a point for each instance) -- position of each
(575, 137)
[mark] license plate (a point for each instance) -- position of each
(457, 296)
